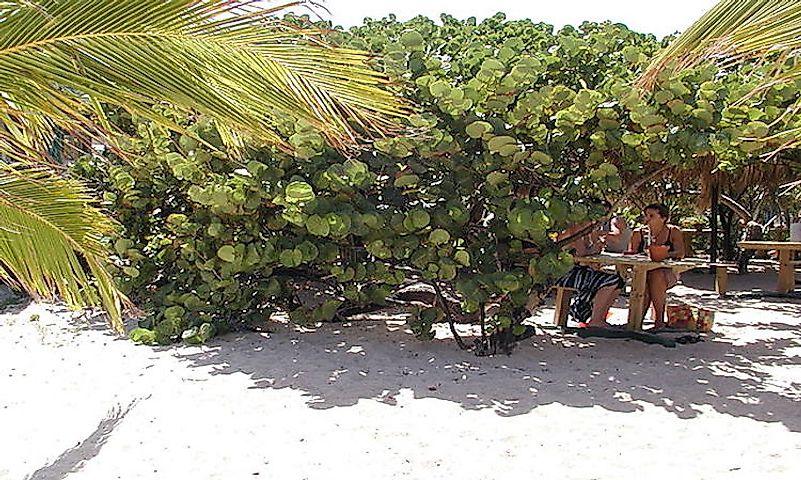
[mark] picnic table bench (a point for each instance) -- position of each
(787, 265)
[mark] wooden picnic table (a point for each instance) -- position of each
(786, 263)
(640, 266)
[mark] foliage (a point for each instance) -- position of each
(739, 31)
(520, 132)
(63, 61)
(53, 246)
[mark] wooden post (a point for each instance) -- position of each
(713, 221)
(637, 305)
(786, 272)
(721, 279)
(563, 296)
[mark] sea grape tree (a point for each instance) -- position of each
(519, 132)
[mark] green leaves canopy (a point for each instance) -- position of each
(519, 129)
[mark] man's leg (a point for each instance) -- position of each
(601, 303)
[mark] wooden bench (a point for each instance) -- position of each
(721, 276)
(787, 262)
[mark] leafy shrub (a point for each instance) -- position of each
(518, 130)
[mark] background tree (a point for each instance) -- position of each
(520, 132)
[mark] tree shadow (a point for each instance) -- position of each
(341, 365)
(73, 459)
(14, 306)
(753, 290)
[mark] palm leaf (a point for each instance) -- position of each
(733, 31)
(217, 57)
(50, 240)
(61, 59)
(738, 31)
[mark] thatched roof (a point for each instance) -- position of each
(769, 175)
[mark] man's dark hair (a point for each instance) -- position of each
(603, 203)
(660, 209)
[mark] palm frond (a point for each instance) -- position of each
(737, 31)
(50, 240)
(218, 57)
(732, 31)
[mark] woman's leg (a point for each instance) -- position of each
(657, 290)
(603, 300)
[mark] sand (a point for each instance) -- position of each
(365, 400)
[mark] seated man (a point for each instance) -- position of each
(751, 231)
(619, 235)
(596, 290)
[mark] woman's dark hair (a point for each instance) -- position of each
(660, 209)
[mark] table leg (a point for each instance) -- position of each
(637, 298)
(721, 280)
(786, 272)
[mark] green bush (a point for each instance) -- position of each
(517, 130)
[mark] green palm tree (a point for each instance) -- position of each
(62, 60)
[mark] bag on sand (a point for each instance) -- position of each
(691, 318)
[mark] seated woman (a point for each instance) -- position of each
(660, 232)
(596, 290)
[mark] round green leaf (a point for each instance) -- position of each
(291, 257)
(478, 129)
(439, 236)
(317, 225)
(122, 245)
(142, 335)
(308, 250)
(132, 272)
(406, 181)
(541, 158)
(299, 192)
(493, 65)
(496, 143)
(412, 39)
(508, 283)
(226, 253)
(419, 219)
(338, 224)
(439, 88)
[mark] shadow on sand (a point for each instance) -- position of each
(73, 459)
(340, 365)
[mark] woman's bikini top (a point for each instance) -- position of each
(641, 246)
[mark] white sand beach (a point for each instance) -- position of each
(366, 400)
